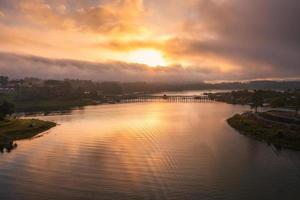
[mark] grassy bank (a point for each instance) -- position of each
(17, 129)
(280, 135)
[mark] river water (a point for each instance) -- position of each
(180, 151)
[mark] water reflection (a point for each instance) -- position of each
(148, 151)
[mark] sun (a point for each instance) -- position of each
(148, 57)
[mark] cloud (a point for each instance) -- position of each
(116, 16)
(130, 45)
(2, 15)
(260, 34)
(18, 66)
(208, 39)
(258, 38)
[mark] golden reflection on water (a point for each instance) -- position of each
(143, 151)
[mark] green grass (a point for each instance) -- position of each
(17, 129)
(279, 135)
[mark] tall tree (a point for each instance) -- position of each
(257, 99)
(296, 102)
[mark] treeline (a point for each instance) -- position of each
(256, 85)
(271, 98)
(252, 85)
(108, 88)
(38, 94)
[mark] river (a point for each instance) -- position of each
(180, 151)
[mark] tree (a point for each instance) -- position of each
(257, 99)
(3, 80)
(278, 102)
(111, 88)
(296, 102)
(6, 108)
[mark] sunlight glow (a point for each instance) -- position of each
(148, 57)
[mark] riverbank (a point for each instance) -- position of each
(17, 129)
(278, 133)
(51, 105)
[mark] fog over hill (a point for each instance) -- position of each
(20, 66)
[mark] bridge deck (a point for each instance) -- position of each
(164, 99)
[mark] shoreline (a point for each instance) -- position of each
(18, 129)
(279, 134)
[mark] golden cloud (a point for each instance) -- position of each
(117, 17)
(257, 37)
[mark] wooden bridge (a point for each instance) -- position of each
(164, 98)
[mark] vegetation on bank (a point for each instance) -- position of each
(51, 105)
(279, 133)
(280, 128)
(258, 98)
(17, 129)
(12, 129)
(33, 94)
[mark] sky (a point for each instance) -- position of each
(150, 40)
